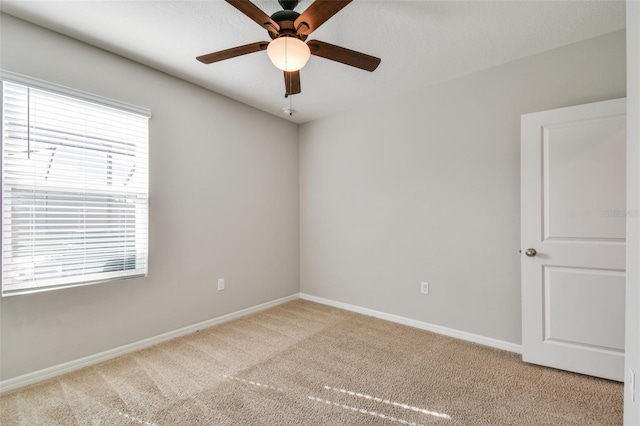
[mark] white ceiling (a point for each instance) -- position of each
(421, 43)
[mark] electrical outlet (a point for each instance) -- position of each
(220, 283)
(632, 384)
(424, 287)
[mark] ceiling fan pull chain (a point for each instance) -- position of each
(288, 111)
(290, 105)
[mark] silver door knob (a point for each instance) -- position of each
(531, 252)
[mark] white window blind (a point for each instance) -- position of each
(74, 191)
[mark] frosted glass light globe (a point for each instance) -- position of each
(288, 53)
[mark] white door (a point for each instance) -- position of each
(573, 238)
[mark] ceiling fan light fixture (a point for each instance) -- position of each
(288, 53)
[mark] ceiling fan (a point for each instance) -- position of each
(289, 30)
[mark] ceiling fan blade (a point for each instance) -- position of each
(233, 52)
(255, 14)
(343, 55)
(292, 82)
(317, 14)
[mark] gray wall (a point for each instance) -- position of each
(223, 203)
(427, 188)
(632, 330)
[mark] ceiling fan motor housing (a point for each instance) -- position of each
(286, 20)
(288, 4)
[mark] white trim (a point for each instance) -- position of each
(67, 367)
(462, 335)
(56, 370)
(68, 91)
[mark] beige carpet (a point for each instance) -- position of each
(303, 363)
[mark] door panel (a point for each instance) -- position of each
(594, 296)
(573, 185)
(582, 165)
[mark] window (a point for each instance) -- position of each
(74, 188)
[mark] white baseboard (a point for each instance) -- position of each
(56, 370)
(462, 335)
